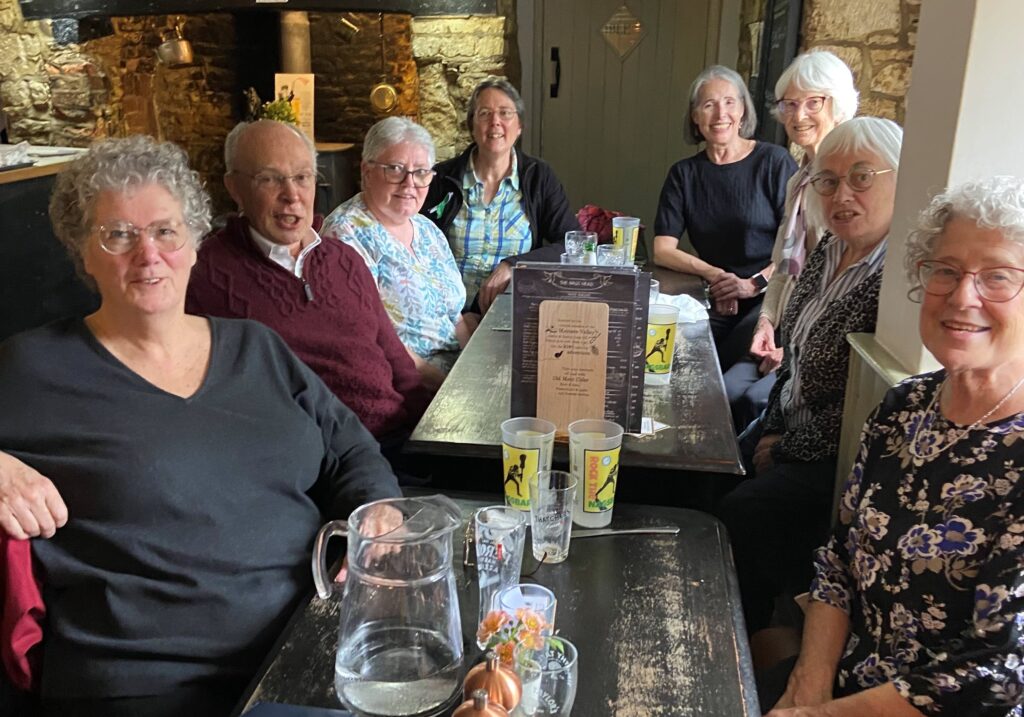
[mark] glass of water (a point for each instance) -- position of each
(552, 497)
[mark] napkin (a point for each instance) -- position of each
(690, 310)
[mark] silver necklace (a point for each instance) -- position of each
(914, 445)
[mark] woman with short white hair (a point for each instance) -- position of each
(815, 94)
(777, 520)
(917, 604)
(407, 255)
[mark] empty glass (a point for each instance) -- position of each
(577, 242)
(655, 290)
(500, 536)
(548, 672)
(568, 258)
(552, 497)
(609, 255)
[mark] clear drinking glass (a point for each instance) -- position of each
(568, 258)
(500, 536)
(609, 255)
(655, 290)
(549, 673)
(576, 242)
(532, 596)
(552, 498)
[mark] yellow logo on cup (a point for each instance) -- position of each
(600, 476)
(518, 466)
(660, 339)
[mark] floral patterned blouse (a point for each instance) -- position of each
(421, 289)
(928, 559)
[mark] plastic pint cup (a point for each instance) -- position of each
(594, 462)
(625, 232)
(526, 446)
(661, 344)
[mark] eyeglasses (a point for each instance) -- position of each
(121, 237)
(996, 283)
(811, 105)
(396, 174)
(505, 114)
(860, 178)
(272, 181)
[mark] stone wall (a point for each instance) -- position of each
(876, 38)
(452, 55)
(346, 70)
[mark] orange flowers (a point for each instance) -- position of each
(501, 632)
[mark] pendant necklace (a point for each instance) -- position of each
(913, 447)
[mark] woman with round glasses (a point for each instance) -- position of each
(408, 256)
(179, 465)
(917, 603)
(729, 200)
(816, 93)
(777, 519)
(496, 204)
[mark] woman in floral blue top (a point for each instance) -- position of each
(918, 603)
(408, 256)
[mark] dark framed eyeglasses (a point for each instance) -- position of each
(272, 181)
(860, 178)
(121, 237)
(811, 105)
(396, 174)
(995, 283)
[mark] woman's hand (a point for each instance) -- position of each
(30, 505)
(465, 328)
(804, 690)
(494, 284)
(763, 459)
(729, 286)
(763, 347)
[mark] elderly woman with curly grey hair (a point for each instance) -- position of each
(407, 255)
(496, 204)
(729, 199)
(917, 603)
(180, 465)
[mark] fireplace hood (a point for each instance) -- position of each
(43, 9)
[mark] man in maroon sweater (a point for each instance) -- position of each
(269, 264)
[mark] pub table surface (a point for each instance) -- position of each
(656, 619)
(464, 419)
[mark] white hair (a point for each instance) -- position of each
(821, 71)
(395, 130)
(858, 136)
(235, 136)
(991, 203)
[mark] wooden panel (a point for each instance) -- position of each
(617, 125)
(659, 635)
(41, 9)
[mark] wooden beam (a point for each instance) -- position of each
(43, 9)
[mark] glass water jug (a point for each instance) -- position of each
(400, 638)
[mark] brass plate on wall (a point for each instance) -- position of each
(623, 32)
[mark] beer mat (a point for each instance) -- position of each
(274, 709)
(648, 427)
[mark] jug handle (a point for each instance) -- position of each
(321, 576)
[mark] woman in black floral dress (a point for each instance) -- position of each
(918, 603)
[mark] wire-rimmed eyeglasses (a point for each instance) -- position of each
(396, 174)
(268, 181)
(121, 237)
(860, 178)
(812, 105)
(995, 283)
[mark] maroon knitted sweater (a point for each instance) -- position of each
(343, 333)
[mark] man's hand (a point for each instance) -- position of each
(729, 286)
(763, 459)
(494, 284)
(726, 307)
(30, 505)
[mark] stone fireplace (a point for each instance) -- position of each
(67, 82)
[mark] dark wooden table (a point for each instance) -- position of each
(656, 619)
(464, 419)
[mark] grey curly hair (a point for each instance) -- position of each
(121, 165)
(991, 203)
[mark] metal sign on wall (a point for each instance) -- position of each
(623, 32)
